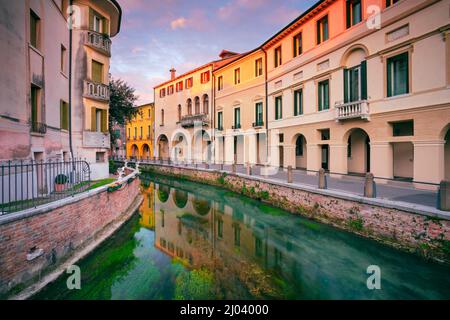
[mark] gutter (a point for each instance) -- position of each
(70, 80)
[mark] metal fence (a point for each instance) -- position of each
(26, 183)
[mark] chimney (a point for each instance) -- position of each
(172, 73)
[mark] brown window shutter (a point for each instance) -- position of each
(93, 119)
(91, 19)
(106, 26)
(61, 114)
(104, 121)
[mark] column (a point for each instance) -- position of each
(229, 149)
(313, 161)
(382, 160)
(289, 155)
(338, 158)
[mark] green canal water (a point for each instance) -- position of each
(191, 241)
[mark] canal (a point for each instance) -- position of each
(192, 241)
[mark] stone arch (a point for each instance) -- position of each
(180, 198)
(163, 146)
(134, 151)
(189, 106)
(201, 206)
(145, 151)
(180, 145)
(163, 193)
(446, 136)
(201, 145)
(357, 50)
(301, 151)
(358, 151)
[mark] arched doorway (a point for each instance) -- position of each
(447, 155)
(163, 146)
(202, 146)
(179, 147)
(134, 151)
(358, 151)
(145, 151)
(300, 151)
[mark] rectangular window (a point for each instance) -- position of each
(325, 134)
(259, 114)
(322, 30)
(220, 83)
(398, 75)
(129, 133)
(179, 86)
(258, 67)
(355, 83)
(64, 115)
(298, 102)
(237, 236)
(189, 83)
(204, 77)
(220, 121)
(97, 72)
(278, 107)
(403, 128)
(142, 132)
(162, 93)
(135, 132)
(220, 229)
(100, 157)
(97, 24)
(237, 118)
(149, 130)
(34, 30)
(63, 59)
(99, 120)
(391, 2)
(237, 76)
(354, 12)
(277, 55)
(298, 44)
(170, 90)
(35, 108)
(324, 95)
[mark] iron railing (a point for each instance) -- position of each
(27, 183)
(38, 127)
(98, 41)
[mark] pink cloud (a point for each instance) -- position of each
(178, 23)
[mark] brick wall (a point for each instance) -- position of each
(413, 232)
(58, 232)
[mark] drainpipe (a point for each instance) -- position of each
(267, 107)
(213, 116)
(70, 79)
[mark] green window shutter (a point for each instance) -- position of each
(348, 4)
(346, 77)
(320, 96)
(105, 26)
(91, 19)
(389, 78)
(93, 119)
(105, 121)
(300, 101)
(296, 103)
(327, 95)
(364, 80)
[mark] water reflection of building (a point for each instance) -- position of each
(200, 231)
(147, 208)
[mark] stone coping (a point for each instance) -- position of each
(386, 203)
(11, 217)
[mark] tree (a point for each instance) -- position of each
(121, 105)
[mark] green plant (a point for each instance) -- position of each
(61, 179)
(356, 224)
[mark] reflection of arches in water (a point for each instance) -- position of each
(180, 198)
(202, 207)
(163, 193)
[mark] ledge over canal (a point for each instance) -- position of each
(421, 230)
(38, 241)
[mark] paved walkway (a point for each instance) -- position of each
(391, 190)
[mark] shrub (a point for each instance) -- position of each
(61, 179)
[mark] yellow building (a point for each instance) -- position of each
(140, 133)
(147, 208)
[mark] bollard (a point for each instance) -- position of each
(289, 174)
(161, 160)
(444, 196)
(221, 166)
(322, 179)
(206, 165)
(233, 168)
(369, 186)
(249, 169)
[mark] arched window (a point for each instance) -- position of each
(189, 106)
(299, 146)
(179, 112)
(162, 117)
(197, 105)
(205, 104)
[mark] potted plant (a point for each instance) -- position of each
(60, 182)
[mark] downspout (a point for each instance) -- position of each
(267, 107)
(213, 115)
(70, 78)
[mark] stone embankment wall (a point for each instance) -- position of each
(36, 241)
(412, 230)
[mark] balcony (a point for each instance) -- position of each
(37, 127)
(93, 139)
(190, 120)
(352, 110)
(236, 126)
(258, 124)
(97, 91)
(98, 41)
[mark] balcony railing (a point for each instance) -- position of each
(190, 120)
(98, 41)
(236, 126)
(258, 124)
(37, 127)
(94, 90)
(352, 110)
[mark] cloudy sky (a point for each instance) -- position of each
(159, 34)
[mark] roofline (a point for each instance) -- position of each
(314, 6)
(185, 74)
(242, 56)
(119, 8)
